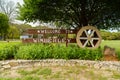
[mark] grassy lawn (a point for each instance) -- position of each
(112, 43)
(60, 73)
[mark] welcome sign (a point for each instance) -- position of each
(53, 36)
(87, 36)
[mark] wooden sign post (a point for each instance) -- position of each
(47, 36)
(87, 36)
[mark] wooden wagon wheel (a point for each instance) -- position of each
(89, 37)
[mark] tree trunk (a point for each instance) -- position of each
(4, 37)
(84, 21)
(12, 35)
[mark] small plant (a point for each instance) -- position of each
(45, 71)
(116, 75)
(57, 75)
(24, 72)
(31, 78)
(38, 71)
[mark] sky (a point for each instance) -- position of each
(20, 1)
(21, 22)
(31, 23)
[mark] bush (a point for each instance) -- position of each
(118, 54)
(40, 51)
(47, 51)
(8, 51)
(110, 35)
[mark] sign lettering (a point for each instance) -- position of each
(50, 36)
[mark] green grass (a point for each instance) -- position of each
(60, 73)
(46, 71)
(112, 43)
(39, 71)
(24, 78)
(116, 75)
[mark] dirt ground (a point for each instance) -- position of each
(110, 58)
(59, 73)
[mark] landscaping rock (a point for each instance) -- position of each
(16, 64)
(109, 54)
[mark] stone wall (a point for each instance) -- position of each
(16, 64)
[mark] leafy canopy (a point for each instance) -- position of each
(4, 23)
(76, 13)
(8, 7)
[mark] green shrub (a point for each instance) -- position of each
(118, 54)
(33, 51)
(50, 51)
(106, 35)
(47, 51)
(8, 51)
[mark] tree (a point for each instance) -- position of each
(13, 33)
(20, 27)
(75, 13)
(4, 25)
(8, 8)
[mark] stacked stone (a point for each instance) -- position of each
(16, 64)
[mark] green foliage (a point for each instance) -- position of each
(20, 27)
(38, 71)
(24, 78)
(8, 50)
(61, 73)
(45, 71)
(14, 50)
(76, 13)
(5, 79)
(4, 24)
(9, 8)
(13, 33)
(31, 78)
(110, 35)
(50, 51)
(116, 75)
(118, 54)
